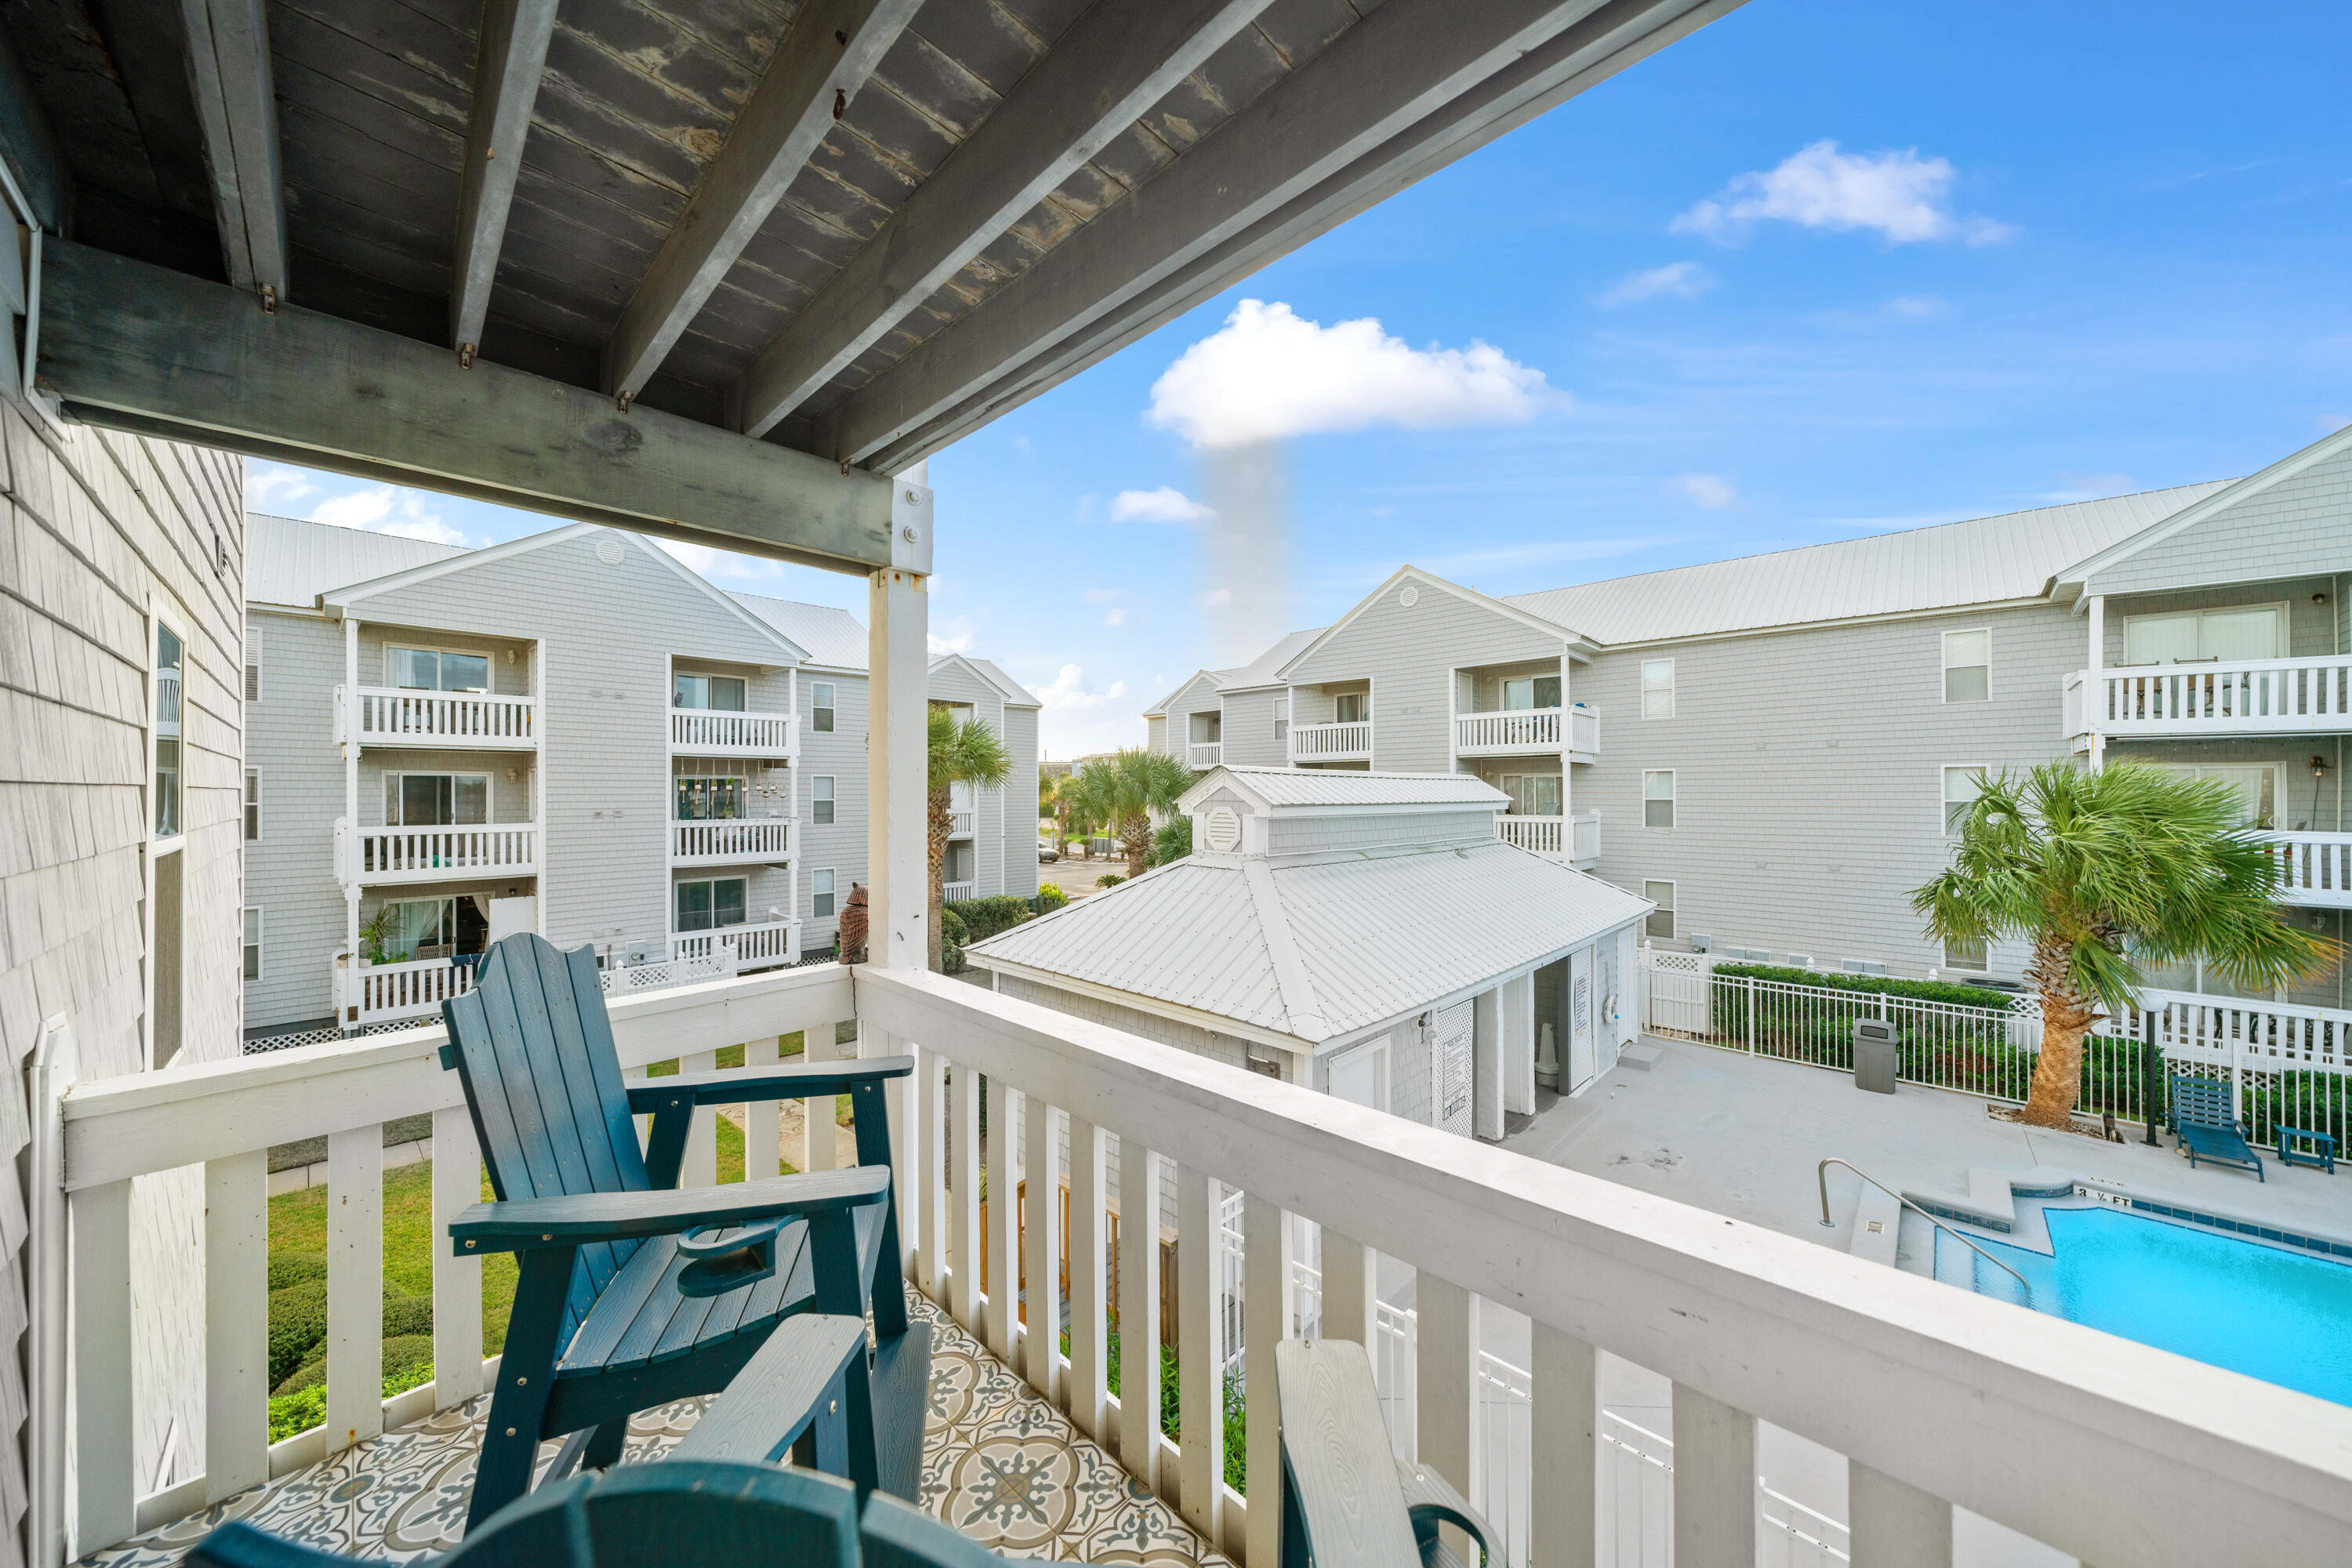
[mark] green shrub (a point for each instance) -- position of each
(1050, 897)
(295, 1268)
(406, 1315)
(297, 1326)
(1921, 990)
(297, 1412)
(1108, 879)
(983, 918)
(953, 929)
(1173, 842)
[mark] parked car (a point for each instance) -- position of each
(1047, 855)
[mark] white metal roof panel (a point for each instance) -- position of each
(1015, 694)
(292, 562)
(1260, 672)
(1320, 786)
(832, 637)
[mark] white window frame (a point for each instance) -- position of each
(712, 883)
(824, 794)
(1944, 786)
(1945, 649)
(821, 700)
(833, 892)
(252, 665)
(1561, 791)
(490, 795)
(1669, 797)
(2286, 624)
(488, 659)
(1649, 925)
(1364, 696)
(1282, 718)
(1643, 689)
(252, 806)
(158, 624)
(706, 677)
(253, 939)
(1983, 959)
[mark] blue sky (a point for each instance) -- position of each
(1819, 270)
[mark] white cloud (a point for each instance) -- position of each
(958, 637)
(1706, 489)
(1906, 198)
(1216, 598)
(268, 485)
(1166, 504)
(1075, 721)
(1267, 375)
(1676, 280)
(1105, 595)
(1114, 618)
(393, 510)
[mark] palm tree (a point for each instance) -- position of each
(1127, 787)
(1080, 800)
(969, 753)
(2106, 872)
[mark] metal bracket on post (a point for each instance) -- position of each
(910, 526)
(20, 285)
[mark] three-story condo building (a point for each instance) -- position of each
(1772, 750)
(571, 733)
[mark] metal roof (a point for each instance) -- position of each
(1015, 695)
(834, 638)
(290, 562)
(1374, 938)
(1279, 787)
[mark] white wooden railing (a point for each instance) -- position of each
(1946, 1394)
(767, 942)
(710, 732)
(1331, 743)
(1208, 753)
(387, 992)
(723, 841)
(2261, 696)
(957, 893)
(379, 856)
(1575, 839)
(959, 822)
(2077, 712)
(2314, 868)
(1514, 729)
(383, 716)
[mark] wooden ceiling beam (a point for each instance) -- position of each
(229, 69)
(130, 346)
(509, 59)
(1102, 75)
(1415, 85)
(830, 51)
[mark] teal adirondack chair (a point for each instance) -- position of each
(632, 1293)
(675, 1514)
(1347, 1502)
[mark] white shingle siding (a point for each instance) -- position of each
(2294, 526)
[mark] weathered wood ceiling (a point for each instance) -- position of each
(750, 212)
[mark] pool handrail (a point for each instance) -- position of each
(1821, 1175)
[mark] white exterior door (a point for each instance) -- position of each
(1582, 1061)
(1449, 1050)
(1361, 1076)
(509, 916)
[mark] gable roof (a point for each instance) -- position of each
(1160, 708)
(1278, 788)
(1012, 693)
(1263, 670)
(834, 639)
(2219, 500)
(1509, 609)
(292, 562)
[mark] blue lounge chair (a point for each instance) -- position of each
(631, 1294)
(2206, 1128)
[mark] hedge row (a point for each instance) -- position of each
(983, 918)
(1919, 990)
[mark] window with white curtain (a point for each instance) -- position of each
(1962, 784)
(1661, 924)
(1658, 798)
(1967, 665)
(2196, 636)
(1657, 689)
(821, 800)
(253, 943)
(820, 893)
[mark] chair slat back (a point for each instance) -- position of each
(542, 1080)
(2203, 1100)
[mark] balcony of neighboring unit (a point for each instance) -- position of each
(758, 945)
(963, 809)
(1573, 841)
(2314, 868)
(729, 841)
(379, 856)
(1348, 741)
(443, 720)
(717, 732)
(1204, 755)
(957, 892)
(2310, 696)
(1573, 732)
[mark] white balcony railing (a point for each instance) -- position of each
(1522, 730)
(959, 822)
(2257, 697)
(726, 841)
(957, 893)
(710, 732)
(2314, 868)
(1939, 1390)
(1331, 743)
(447, 720)
(373, 856)
(389, 993)
(1207, 753)
(766, 942)
(1575, 839)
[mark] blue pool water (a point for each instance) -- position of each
(2283, 1315)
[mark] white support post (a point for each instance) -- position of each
(1519, 1044)
(106, 1485)
(699, 1168)
(1894, 1521)
(1446, 1380)
(1200, 1353)
(2095, 684)
(1267, 1233)
(1349, 1302)
(930, 1227)
(820, 1135)
(1088, 1326)
(964, 1138)
(1486, 1063)
(456, 1280)
(348, 873)
(1564, 1496)
(763, 1132)
(1567, 761)
(1041, 1238)
(236, 1324)
(1001, 1244)
(1138, 1311)
(354, 1286)
(897, 770)
(1714, 1483)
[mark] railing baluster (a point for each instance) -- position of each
(1446, 1373)
(930, 1120)
(699, 1167)
(105, 1483)
(354, 1286)
(236, 1324)
(1138, 1310)
(1564, 1506)
(820, 1136)
(1715, 1481)
(1894, 1521)
(1200, 1353)
(964, 1138)
(763, 1130)
(1002, 1275)
(1267, 1245)
(1041, 1246)
(900, 1101)
(1347, 1289)
(1089, 1328)
(456, 1280)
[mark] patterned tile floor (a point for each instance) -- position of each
(1001, 1464)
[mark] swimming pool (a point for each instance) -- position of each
(2270, 1312)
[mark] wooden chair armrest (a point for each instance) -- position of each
(799, 1080)
(518, 1225)
(779, 1393)
(1431, 1502)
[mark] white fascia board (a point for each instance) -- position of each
(342, 598)
(1159, 710)
(1175, 1012)
(1576, 645)
(2080, 574)
(1463, 993)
